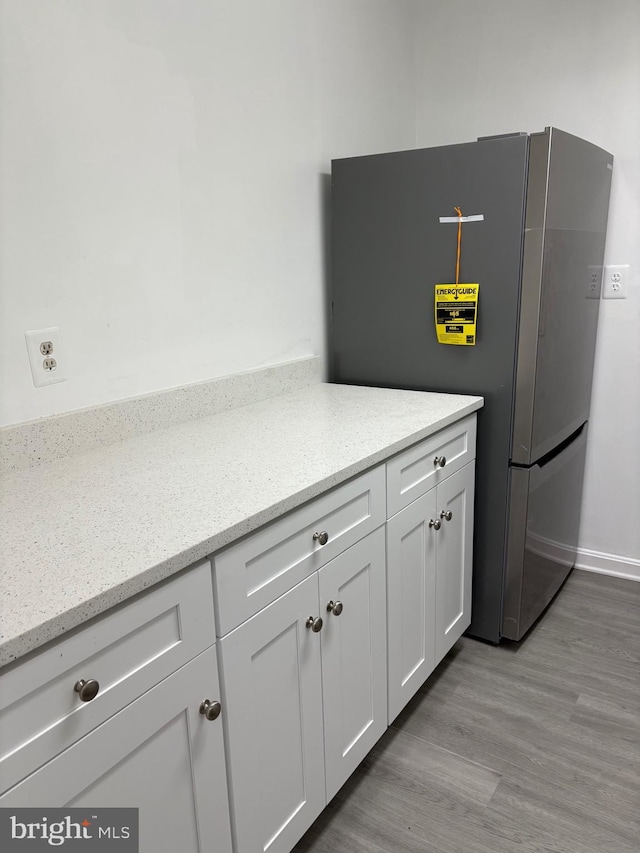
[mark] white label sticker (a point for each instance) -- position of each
(478, 218)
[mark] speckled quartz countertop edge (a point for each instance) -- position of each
(122, 518)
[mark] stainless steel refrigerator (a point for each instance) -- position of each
(537, 255)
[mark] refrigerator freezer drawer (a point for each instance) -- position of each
(544, 519)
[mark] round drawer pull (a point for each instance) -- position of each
(448, 515)
(334, 607)
(87, 690)
(322, 537)
(435, 524)
(314, 624)
(210, 710)
(440, 461)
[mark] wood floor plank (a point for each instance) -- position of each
(358, 826)
(435, 774)
(550, 822)
(519, 748)
(625, 711)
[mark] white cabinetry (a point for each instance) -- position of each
(272, 693)
(255, 571)
(158, 754)
(429, 555)
(328, 622)
(315, 622)
(411, 589)
(110, 716)
(354, 656)
(454, 553)
(304, 686)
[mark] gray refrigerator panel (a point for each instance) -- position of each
(388, 251)
(567, 204)
(544, 523)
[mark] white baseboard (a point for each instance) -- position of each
(589, 561)
(549, 548)
(608, 564)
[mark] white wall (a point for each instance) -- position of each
(508, 65)
(161, 166)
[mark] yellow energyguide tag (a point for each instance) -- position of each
(456, 311)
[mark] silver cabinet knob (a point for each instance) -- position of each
(448, 515)
(322, 537)
(87, 690)
(435, 524)
(314, 624)
(210, 710)
(334, 607)
(440, 461)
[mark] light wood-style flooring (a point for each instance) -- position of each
(522, 747)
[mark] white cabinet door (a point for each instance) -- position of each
(272, 692)
(354, 651)
(158, 754)
(454, 560)
(411, 568)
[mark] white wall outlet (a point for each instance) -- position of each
(616, 281)
(593, 281)
(46, 356)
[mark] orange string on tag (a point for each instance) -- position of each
(459, 212)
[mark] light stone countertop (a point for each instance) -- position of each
(81, 534)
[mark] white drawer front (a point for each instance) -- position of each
(416, 470)
(268, 563)
(127, 651)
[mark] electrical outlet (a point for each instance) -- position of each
(46, 356)
(593, 281)
(616, 280)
